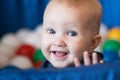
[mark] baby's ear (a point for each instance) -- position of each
(95, 42)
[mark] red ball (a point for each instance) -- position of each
(26, 50)
(37, 64)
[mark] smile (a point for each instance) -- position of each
(59, 55)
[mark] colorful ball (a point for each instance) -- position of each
(4, 60)
(38, 29)
(26, 50)
(114, 34)
(111, 45)
(37, 64)
(110, 56)
(38, 56)
(22, 62)
(7, 51)
(32, 39)
(23, 33)
(10, 40)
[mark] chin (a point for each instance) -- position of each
(61, 65)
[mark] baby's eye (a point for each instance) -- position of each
(51, 31)
(72, 33)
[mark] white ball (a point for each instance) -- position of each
(10, 40)
(38, 29)
(23, 33)
(4, 60)
(4, 50)
(21, 62)
(33, 39)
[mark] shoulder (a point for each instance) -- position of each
(46, 65)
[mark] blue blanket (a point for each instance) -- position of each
(106, 71)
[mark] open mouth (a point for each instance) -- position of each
(60, 55)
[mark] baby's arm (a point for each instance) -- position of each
(87, 60)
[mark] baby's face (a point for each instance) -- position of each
(64, 36)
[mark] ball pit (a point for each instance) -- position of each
(21, 49)
(114, 34)
(38, 56)
(111, 46)
(26, 50)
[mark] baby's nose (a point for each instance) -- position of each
(59, 42)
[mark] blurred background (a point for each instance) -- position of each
(20, 23)
(16, 14)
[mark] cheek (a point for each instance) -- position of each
(45, 39)
(45, 43)
(78, 47)
(45, 46)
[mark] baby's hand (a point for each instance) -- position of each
(87, 60)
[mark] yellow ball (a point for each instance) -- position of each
(114, 34)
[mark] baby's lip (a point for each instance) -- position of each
(60, 52)
(60, 55)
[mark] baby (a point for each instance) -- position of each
(70, 33)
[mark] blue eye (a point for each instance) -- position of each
(72, 33)
(51, 31)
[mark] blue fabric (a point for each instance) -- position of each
(107, 71)
(111, 13)
(16, 14)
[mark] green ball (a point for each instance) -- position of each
(111, 45)
(38, 56)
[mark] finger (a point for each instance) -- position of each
(101, 61)
(94, 58)
(86, 58)
(77, 62)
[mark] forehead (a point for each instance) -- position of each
(62, 11)
(81, 8)
(86, 14)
